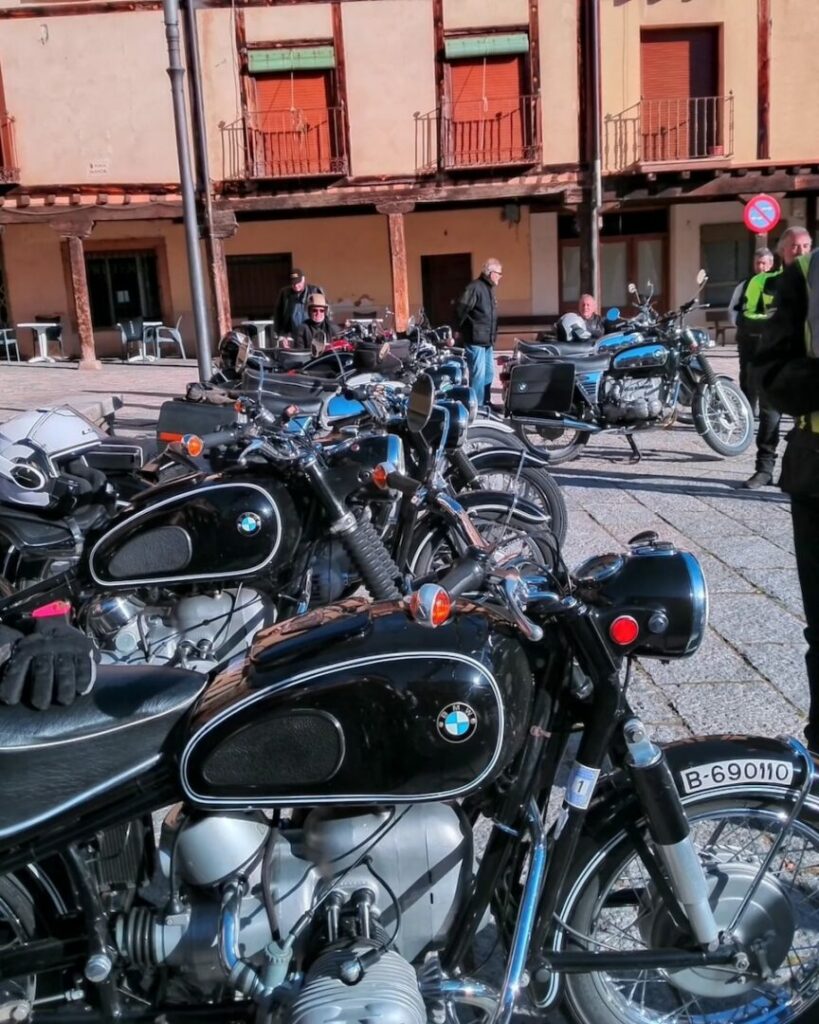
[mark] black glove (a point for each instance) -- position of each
(53, 665)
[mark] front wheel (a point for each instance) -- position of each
(723, 416)
(613, 903)
(529, 483)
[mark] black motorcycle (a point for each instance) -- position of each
(559, 394)
(319, 861)
(192, 568)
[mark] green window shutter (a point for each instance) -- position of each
(299, 58)
(486, 46)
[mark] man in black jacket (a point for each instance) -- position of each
(316, 328)
(788, 366)
(476, 314)
(291, 305)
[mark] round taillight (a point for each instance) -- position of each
(624, 630)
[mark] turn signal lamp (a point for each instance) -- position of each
(379, 476)
(624, 630)
(430, 605)
(193, 445)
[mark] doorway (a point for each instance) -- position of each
(443, 278)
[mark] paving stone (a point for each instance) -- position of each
(723, 580)
(784, 666)
(754, 619)
(740, 554)
(783, 584)
(714, 662)
(723, 708)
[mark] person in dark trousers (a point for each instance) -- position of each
(291, 305)
(476, 314)
(747, 336)
(316, 329)
(759, 301)
(788, 368)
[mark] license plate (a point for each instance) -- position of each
(736, 772)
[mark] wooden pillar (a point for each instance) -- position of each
(763, 88)
(223, 226)
(398, 260)
(73, 232)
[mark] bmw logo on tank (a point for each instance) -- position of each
(249, 524)
(457, 722)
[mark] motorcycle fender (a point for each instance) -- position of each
(505, 458)
(713, 767)
(497, 501)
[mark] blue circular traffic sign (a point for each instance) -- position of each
(761, 214)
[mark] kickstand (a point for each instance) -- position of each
(635, 451)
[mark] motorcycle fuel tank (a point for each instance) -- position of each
(641, 357)
(211, 530)
(357, 703)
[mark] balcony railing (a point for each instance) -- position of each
(9, 170)
(478, 133)
(678, 130)
(295, 143)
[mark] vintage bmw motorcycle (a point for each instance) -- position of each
(319, 862)
(558, 394)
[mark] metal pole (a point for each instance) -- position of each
(596, 147)
(176, 73)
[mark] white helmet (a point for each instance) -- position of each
(572, 327)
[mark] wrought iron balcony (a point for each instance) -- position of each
(295, 143)
(478, 133)
(679, 130)
(9, 169)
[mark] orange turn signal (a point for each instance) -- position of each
(430, 605)
(379, 476)
(193, 445)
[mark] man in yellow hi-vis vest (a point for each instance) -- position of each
(758, 302)
(788, 365)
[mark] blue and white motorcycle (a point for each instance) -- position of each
(557, 394)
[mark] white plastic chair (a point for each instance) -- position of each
(9, 343)
(168, 336)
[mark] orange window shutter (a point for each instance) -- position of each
(292, 122)
(486, 109)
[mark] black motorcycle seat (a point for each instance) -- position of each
(537, 351)
(116, 454)
(35, 530)
(58, 759)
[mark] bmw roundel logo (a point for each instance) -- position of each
(457, 722)
(249, 523)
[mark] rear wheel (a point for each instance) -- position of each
(552, 443)
(17, 926)
(612, 903)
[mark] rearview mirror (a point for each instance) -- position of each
(613, 314)
(632, 288)
(702, 277)
(421, 401)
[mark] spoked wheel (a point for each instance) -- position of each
(17, 925)
(480, 437)
(552, 443)
(529, 484)
(614, 905)
(724, 418)
(520, 543)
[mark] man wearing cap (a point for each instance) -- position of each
(316, 330)
(291, 305)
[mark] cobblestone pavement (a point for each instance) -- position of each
(748, 676)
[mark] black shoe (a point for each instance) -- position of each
(759, 479)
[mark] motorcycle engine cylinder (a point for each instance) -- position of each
(110, 613)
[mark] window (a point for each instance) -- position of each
(122, 285)
(296, 125)
(489, 116)
(633, 247)
(254, 283)
(726, 251)
(680, 113)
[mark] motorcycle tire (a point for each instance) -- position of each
(485, 435)
(552, 443)
(708, 409)
(611, 902)
(436, 545)
(531, 484)
(17, 925)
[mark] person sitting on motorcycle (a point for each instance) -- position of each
(584, 325)
(317, 330)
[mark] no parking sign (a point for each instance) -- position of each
(762, 214)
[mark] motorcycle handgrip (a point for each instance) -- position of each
(403, 483)
(357, 394)
(221, 437)
(466, 574)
